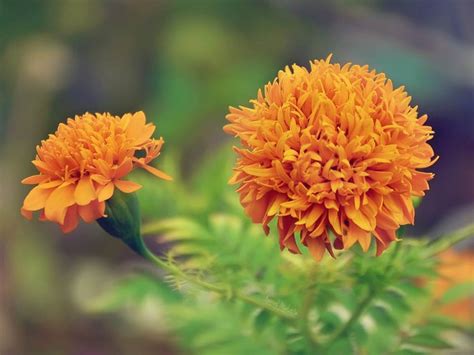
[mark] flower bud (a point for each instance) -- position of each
(122, 219)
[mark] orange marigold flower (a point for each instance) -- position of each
(333, 152)
(84, 161)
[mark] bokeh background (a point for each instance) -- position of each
(184, 63)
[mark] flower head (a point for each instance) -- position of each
(82, 163)
(333, 152)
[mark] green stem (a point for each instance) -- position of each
(303, 317)
(172, 269)
(445, 242)
(361, 307)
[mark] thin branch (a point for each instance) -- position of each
(173, 269)
(345, 328)
(447, 241)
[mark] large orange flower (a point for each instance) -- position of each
(334, 153)
(84, 161)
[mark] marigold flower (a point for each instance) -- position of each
(84, 161)
(334, 154)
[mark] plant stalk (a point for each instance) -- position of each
(172, 269)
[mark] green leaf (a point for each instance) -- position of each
(428, 340)
(458, 292)
(132, 289)
(396, 299)
(381, 314)
(411, 351)
(341, 346)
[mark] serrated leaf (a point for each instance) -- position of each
(132, 289)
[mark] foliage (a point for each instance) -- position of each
(270, 302)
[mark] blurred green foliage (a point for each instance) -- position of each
(355, 304)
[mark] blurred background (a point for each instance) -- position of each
(184, 63)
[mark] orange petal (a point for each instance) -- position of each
(34, 179)
(137, 129)
(71, 220)
(384, 238)
(106, 192)
(100, 179)
(57, 203)
(314, 214)
(291, 245)
(316, 247)
(257, 208)
(127, 186)
(85, 191)
(92, 211)
(364, 241)
(125, 168)
(36, 198)
(157, 172)
(27, 214)
(385, 221)
(359, 218)
(333, 216)
(51, 184)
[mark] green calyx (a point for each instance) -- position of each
(123, 219)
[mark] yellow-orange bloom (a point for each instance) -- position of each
(84, 161)
(333, 152)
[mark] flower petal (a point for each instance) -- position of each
(124, 169)
(106, 192)
(156, 172)
(84, 192)
(359, 218)
(127, 186)
(27, 214)
(92, 211)
(316, 247)
(36, 198)
(57, 203)
(34, 179)
(71, 220)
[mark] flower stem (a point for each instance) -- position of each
(445, 242)
(304, 325)
(173, 269)
(361, 307)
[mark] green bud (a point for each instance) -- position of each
(123, 219)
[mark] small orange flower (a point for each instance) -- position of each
(333, 152)
(84, 161)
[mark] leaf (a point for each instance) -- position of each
(411, 351)
(396, 298)
(261, 319)
(341, 346)
(132, 290)
(427, 340)
(458, 292)
(382, 315)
